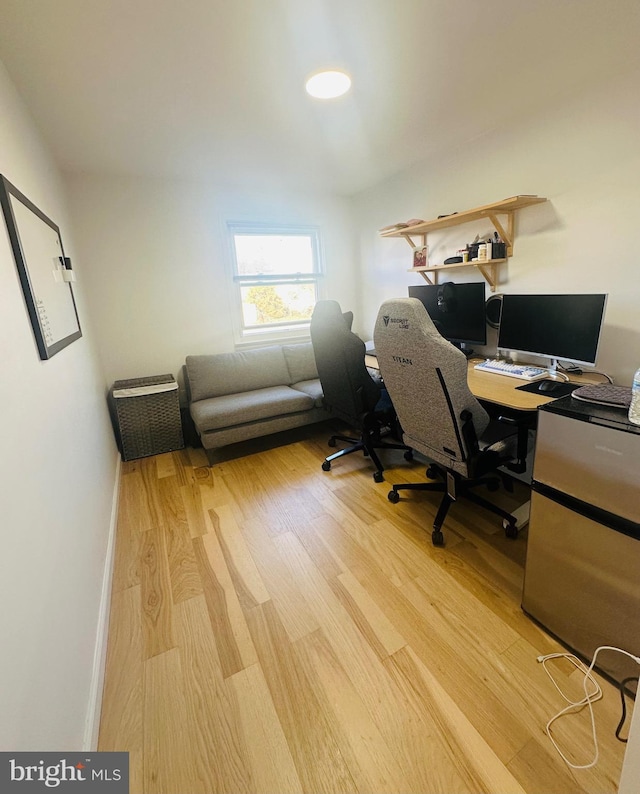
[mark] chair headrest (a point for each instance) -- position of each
(329, 311)
(326, 311)
(408, 315)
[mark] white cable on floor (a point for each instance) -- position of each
(590, 697)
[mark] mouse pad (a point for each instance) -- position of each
(560, 389)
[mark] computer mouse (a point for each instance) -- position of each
(547, 386)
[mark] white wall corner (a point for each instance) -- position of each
(92, 724)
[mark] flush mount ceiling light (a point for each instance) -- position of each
(328, 85)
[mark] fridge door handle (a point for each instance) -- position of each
(607, 519)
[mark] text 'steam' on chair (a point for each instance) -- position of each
(426, 377)
(350, 393)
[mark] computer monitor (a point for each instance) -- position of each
(559, 327)
(457, 310)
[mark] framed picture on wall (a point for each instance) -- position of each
(44, 271)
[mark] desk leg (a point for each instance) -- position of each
(522, 516)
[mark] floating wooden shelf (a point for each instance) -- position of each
(489, 268)
(497, 208)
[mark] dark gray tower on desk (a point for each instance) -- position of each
(582, 575)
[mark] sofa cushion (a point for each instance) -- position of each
(301, 362)
(313, 388)
(232, 373)
(250, 406)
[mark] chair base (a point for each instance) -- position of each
(368, 445)
(454, 487)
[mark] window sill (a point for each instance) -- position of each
(282, 336)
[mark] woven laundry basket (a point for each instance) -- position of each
(146, 415)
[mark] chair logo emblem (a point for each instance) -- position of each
(401, 321)
(402, 360)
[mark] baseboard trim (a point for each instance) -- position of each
(92, 724)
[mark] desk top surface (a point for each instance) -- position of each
(502, 390)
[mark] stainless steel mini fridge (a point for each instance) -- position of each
(582, 574)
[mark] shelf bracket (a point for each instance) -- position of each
(425, 276)
(423, 239)
(506, 236)
(489, 271)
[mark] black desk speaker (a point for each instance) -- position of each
(493, 309)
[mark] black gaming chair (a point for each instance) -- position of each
(350, 392)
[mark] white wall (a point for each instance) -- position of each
(57, 473)
(156, 257)
(584, 157)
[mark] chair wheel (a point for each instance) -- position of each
(332, 442)
(378, 476)
(408, 455)
(437, 538)
(326, 466)
(432, 473)
(510, 530)
(393, 497)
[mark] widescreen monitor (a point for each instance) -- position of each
(559, 327)
(457, 310)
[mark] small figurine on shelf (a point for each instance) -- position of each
(420, 257)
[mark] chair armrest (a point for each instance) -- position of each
(520, 464)
(469, 433)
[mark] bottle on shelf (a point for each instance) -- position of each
(634, 408)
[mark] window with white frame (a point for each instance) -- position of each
(276, 274)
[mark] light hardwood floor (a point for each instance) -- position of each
(275, 628)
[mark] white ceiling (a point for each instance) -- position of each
(216, 89)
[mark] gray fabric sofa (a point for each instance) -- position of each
(239, 396)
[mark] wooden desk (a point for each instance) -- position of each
(502, 390)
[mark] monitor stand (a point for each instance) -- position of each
(555, 371)
(553, 368)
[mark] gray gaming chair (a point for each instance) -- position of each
(350, 392)
(426, 377)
